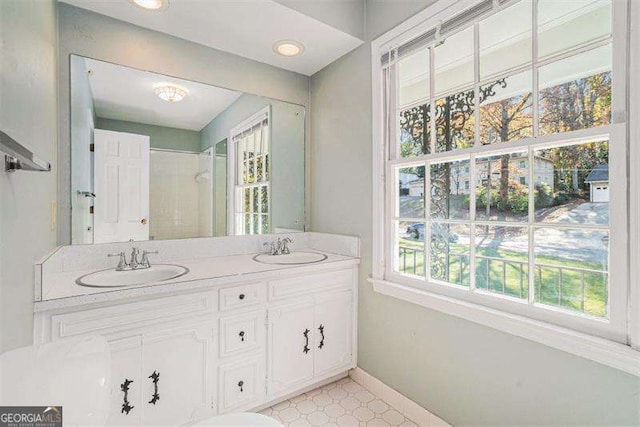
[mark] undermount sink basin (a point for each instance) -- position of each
(116, 279)
(291, 259)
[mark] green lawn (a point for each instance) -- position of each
(512, 278)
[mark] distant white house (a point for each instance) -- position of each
(491, 169)
(486, 169)
(598, 180)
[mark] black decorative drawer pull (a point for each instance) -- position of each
(241, 334)
(155, 377)
(321, 329)
(241, 296)
(241, 385)
(126, 407)
(305, 350)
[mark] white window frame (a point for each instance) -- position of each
(613, 343)
(232, 186)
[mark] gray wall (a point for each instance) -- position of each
(28, 112)
(95, 36)
(159, 136)
(466, 373)
(287, 152)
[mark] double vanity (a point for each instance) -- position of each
(212, 326)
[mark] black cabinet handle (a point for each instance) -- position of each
(241, 334)
(305, 350)
(126, 407)
(241, 384)
(321, 329)
(241, 296)
(155, 377)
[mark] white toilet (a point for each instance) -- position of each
(75, 374)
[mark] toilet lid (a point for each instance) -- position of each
(240, 419)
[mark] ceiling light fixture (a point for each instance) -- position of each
(151, 4)
(288, 48)
(170, 93)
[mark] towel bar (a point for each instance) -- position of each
(18, 157)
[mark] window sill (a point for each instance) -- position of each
(609, 353)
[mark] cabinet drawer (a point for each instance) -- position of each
(302, 285)
(241, 385)
(241, 296)
(135, 315)
(242, 333)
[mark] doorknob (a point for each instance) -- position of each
(143, 221)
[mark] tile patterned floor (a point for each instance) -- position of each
(342, 403)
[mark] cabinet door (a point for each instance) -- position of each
(333, 332)
(177, 367)
(126, 384)
(290, 345)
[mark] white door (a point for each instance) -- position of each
(177, 369)
(126, 384)
(291, 337)
(121, 186)
(333, 327)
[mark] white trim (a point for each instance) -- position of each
(613, 354)
(633, 100)
(395, 399)
(624, 324)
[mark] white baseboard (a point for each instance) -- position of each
(400, 403)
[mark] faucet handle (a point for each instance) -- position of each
(285, 245)
(144, 262)
(122, 263)
(271, 246)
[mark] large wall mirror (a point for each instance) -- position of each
(157, 157)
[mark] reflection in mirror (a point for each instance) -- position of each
(156, 157)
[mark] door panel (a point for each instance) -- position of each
(333, 327)
(182, 361)
(121, 184)
(125, 366)
(289, 363)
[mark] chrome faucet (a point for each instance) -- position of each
(279, 247)
(133, 263)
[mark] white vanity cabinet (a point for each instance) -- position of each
(223, 347)
(309, 339)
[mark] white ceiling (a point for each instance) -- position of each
(124, 93)
(247, 28)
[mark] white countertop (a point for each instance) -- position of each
(61, 291)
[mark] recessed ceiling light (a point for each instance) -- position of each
(151, 4)
(170, 93)
(288, 48)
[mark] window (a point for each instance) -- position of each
(503, 154)
(249, 170)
